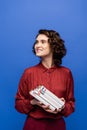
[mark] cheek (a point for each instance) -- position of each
(48, 49)
(34, 47)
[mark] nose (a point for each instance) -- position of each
(38, 44)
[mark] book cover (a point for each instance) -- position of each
(45, 96)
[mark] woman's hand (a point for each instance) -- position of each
(35, 102)
(46, 107)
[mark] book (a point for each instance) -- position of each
(45, 96)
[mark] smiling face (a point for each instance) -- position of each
(42, 47)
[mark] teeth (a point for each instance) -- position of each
(39, 50)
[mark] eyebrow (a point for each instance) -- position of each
(41, 40)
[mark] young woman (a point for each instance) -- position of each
(49, 72)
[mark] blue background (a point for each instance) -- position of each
(19, 22)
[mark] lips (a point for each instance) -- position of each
(38, 50)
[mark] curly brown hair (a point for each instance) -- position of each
(56, 44)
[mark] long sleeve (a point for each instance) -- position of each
(22, 102)
(59, 80)
(70, 100)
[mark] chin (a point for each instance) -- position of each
(38, 55)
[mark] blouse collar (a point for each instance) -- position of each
(49, 70)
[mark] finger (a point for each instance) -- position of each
(51, 111)
(45, 107)
(63, 99)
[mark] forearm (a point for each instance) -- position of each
(68, 109)
(23, 106)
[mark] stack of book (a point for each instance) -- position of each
(46, 97)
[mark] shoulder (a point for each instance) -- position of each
(65, 70)
(31, 69)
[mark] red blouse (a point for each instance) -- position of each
(59, 80)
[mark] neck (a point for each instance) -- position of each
(48, 63)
